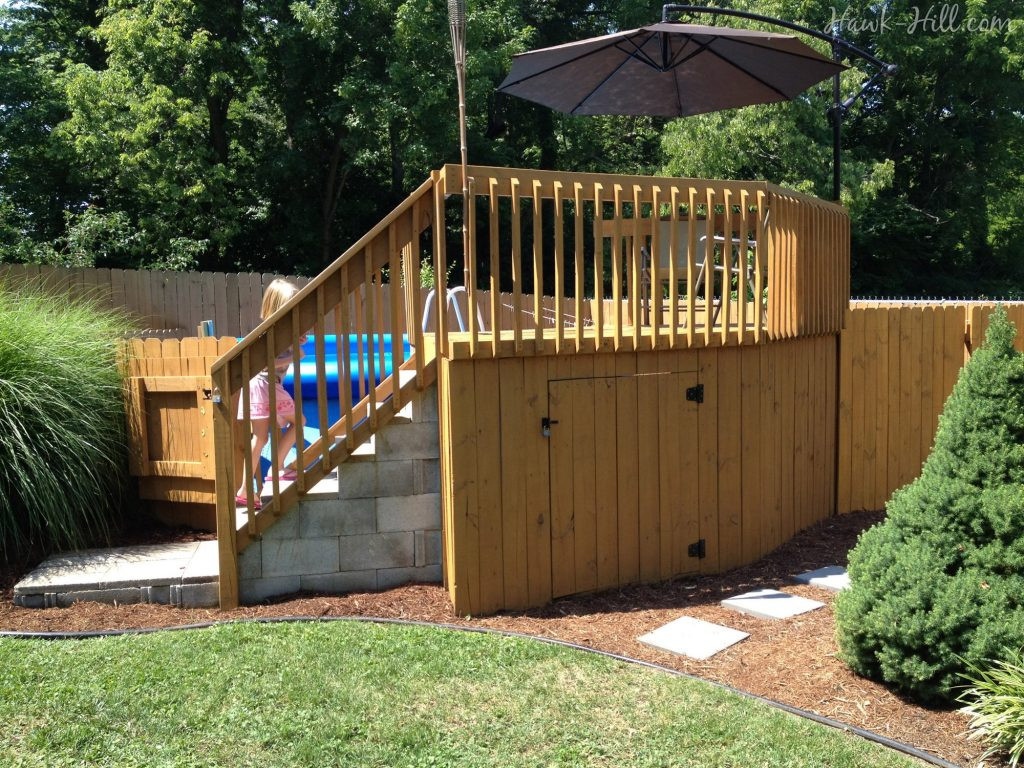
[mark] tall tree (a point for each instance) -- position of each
(929, 157)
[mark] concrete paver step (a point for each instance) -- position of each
(692, 637)
(771, 604)
(832, 577)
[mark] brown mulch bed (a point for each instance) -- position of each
(793, 661)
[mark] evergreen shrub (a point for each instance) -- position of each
(939, 584)
(63, 450)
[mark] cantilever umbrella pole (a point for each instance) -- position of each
(839, 46)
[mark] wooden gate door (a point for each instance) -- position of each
(623, 455)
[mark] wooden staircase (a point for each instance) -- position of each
(370, 293)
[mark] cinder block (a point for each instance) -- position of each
(121, 596)
(424, 407)
(299, 557)
(30, 601)
(156, 595)
(408, 441)
(396, 478)
(428, 475)
(396, 577)
(409, 513)
(428, 548)
(286, 527)
(379, 550)
(260, 589)
(199, 595)
(358, 480)
(346, 517)
(250, 562)
(340, 583)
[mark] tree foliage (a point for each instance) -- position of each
(932, 161)
(269, 135)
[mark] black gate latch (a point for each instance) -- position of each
(696, 394)
(545, 426)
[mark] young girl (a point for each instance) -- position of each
(275, 297)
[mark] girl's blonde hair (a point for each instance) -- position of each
(276, 296)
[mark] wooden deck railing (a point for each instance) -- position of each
(638, 263)
(645, 262)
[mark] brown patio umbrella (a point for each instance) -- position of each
(668, 70)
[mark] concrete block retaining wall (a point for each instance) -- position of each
(380, 528)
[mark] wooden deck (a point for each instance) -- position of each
(617, 324)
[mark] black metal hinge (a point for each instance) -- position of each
(698, 549)
(695, 394)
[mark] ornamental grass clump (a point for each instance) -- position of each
(939, 584)
(995, 703)
(63, 453)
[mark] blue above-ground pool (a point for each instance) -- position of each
(364, 344)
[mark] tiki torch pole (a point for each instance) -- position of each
(457, 19)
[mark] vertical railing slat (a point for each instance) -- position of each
(760, 251)
(559, 268)
(345, 357)
(742, 281)
(578, 262)
(673, 273)
(495, 276)
(321, 381)
(296, 347)
(397, 345)
(636, 282)
(471, 276)
(368, 307)
(275, 438)
(691, 264)
(598, 313)
(538, 272)
(359, 311)
(726, 305)
(617, 266)
(654, 283)
(517, 268)
(709, 267)
(247, 442)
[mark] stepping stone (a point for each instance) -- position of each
(692, 637)
(834, 578)
(771, 604)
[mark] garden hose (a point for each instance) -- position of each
(906, 749)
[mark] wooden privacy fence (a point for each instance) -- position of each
(898, 364)
(172, 304)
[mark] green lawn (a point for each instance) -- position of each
(350, 694)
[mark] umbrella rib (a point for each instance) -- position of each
(597, 87)
(610, 44)
(750, 74)
(701, 47)
(639, 53)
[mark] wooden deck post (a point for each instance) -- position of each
(223, 429)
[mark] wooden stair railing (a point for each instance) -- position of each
(369, 292)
